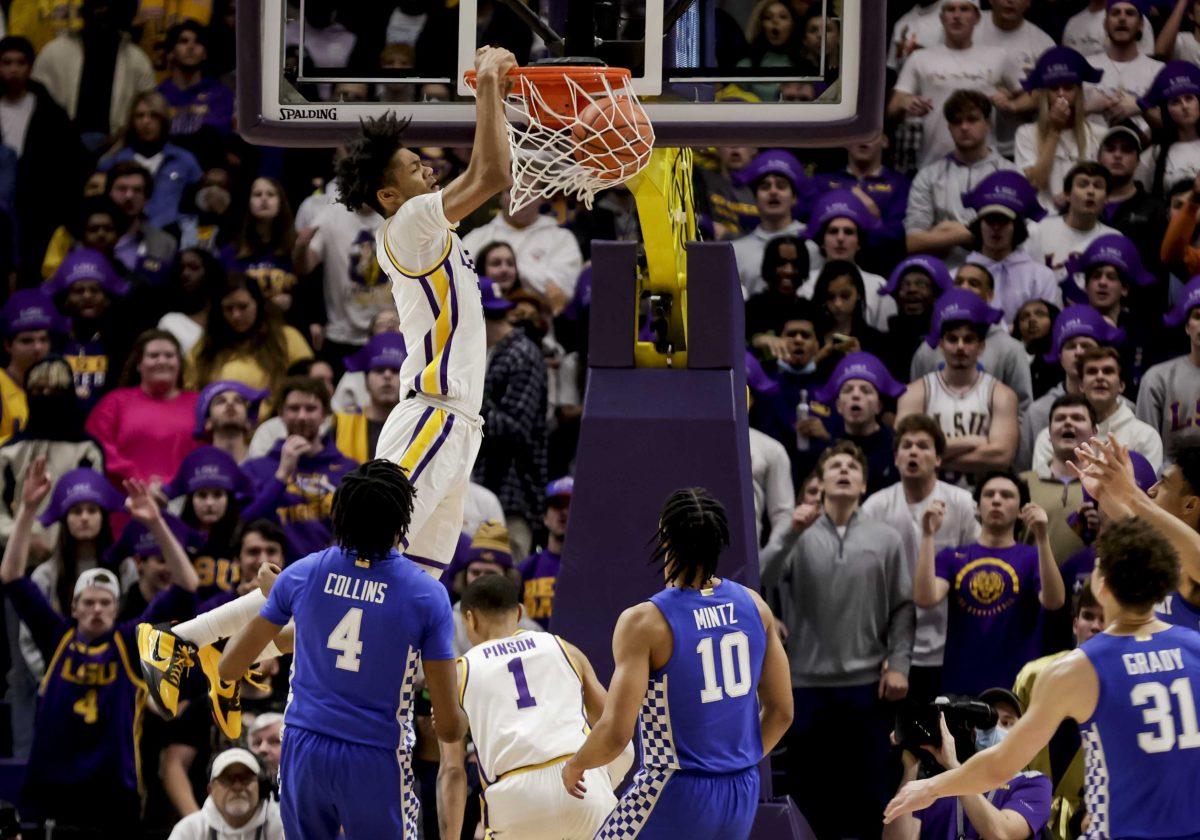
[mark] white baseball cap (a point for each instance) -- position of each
(945, 3)
(264, 720)
(233, 756)
(100, 579)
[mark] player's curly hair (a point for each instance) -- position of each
(362, 170)
(692, 533)
(1138, 564)
(372, 509)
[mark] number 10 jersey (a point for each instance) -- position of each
(524, 701)
(701, 708)
(1142, 769)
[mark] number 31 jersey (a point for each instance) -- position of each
(701, 708)
(524, 700)
(1142, 769)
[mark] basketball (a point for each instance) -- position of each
(614, 136)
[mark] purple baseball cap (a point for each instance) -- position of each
(1176, 78)
(86, 264)
(932, 267)
(492, 297)
(1188, 300)
(76, 487)
(252, 396)
(772, 162)
(29, 310)
(840, 204)
(385, 350)
(960, 305)
(1077, 320)
(560, 488)
(862, 366)
(756, 378)
(1008, 193)
(1115, 250)
(1061, 66)
(208, 468)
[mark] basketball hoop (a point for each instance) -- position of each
(573, 129)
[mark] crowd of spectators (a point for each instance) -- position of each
(935, 318)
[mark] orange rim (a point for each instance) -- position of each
(561, 100)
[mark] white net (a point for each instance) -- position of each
(574, 135)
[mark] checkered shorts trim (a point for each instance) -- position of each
(1095, 783)
(634, 808)
(658, 744)
(410, 803)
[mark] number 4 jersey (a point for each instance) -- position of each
(360, 631)
(1142, 773)
(524, 700)
(701, 708)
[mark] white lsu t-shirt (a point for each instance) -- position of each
(1120, 77)
(436, 291)
(1054, 242)
(937, 72)
(1084, 33)
(1183, 162)
(355, 288)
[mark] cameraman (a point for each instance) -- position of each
(1013, 811)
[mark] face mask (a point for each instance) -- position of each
(985, 738)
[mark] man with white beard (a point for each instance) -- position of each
(236, 807)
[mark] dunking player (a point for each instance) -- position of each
(700, 659)
(1133, 689)
(364, 614)
(529, 698)
(434, 434)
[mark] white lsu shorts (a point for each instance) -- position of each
(534, 805)
(436, 447)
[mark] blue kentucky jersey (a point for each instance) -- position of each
(360, 629)
(1177, 610)
(701, 708)
(1142, 772)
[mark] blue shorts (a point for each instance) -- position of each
(327, 784)
(670, 804)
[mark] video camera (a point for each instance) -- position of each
(917, 725)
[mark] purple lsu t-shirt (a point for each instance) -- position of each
(994, 624)
(1028, 794)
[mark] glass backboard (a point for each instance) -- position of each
(789, 72)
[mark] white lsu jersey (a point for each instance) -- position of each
(436, 291)
(524, 700)
(960, 416)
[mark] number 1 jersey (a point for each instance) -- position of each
(1142, 769)
(360, 631)
(701, 708)
(524, 700)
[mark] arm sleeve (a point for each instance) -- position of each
(279, 607)
(902, 613)
(1025, 147)
(919, 216)
(103, 424)
(774, 560)
(909, 81)
(264, 500)
(418, 226)
(781, 497)
(1030, 797)
(438, 642)
(45, 625)
(942, 564)
(1150, 401)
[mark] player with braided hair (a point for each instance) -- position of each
(364, 616)
(702, 666)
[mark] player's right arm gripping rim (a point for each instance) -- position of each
(490, 169)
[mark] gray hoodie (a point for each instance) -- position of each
(846, 601)
(208, 824)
